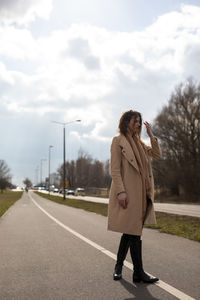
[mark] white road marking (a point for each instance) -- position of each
(170, 289)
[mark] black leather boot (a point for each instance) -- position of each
(136, 255)
(121, 255)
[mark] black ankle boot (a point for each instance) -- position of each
(142, 276)
(121, 255)
(117, 275)
(136, 255)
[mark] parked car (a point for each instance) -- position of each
(79, 192)
(55, 190)
(70, 192)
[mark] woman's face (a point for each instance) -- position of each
(134, 125)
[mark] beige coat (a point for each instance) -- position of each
(126, 177)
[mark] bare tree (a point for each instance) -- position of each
(86, 172)
(107, 176)
(5, 176)
(27, 182)
(178, 128)
(83, 169)
(96, 178)
(71, 173)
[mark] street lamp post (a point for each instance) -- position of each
(41, 160)
(50, 146)
(64, 171)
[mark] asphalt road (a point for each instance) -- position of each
(51, 251)
(178, 209)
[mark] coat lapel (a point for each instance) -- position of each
(128, 152)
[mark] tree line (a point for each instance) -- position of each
(86, 172)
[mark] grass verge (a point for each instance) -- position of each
(8, 198)
(99, 208)
(184, 226)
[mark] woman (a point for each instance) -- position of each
(132, 191)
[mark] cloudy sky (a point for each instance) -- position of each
(64, 60)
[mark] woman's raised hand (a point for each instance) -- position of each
(148, 129)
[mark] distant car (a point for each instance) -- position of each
(42, 187)
(61, 191)
(80, 192)
(70, 192)
(55, 190)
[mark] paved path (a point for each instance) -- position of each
(51, 251)
(178, 209)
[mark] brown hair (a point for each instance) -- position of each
(125, 119)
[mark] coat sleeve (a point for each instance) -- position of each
(116, 158)
(154, 150)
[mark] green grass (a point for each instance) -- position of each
(184, 226)
(99, 208)
(8, 198)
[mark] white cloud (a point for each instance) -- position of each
(5, 76)
(79, 48)
(173, 23)
(17, 44)
(22, 12)
(95, 73)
